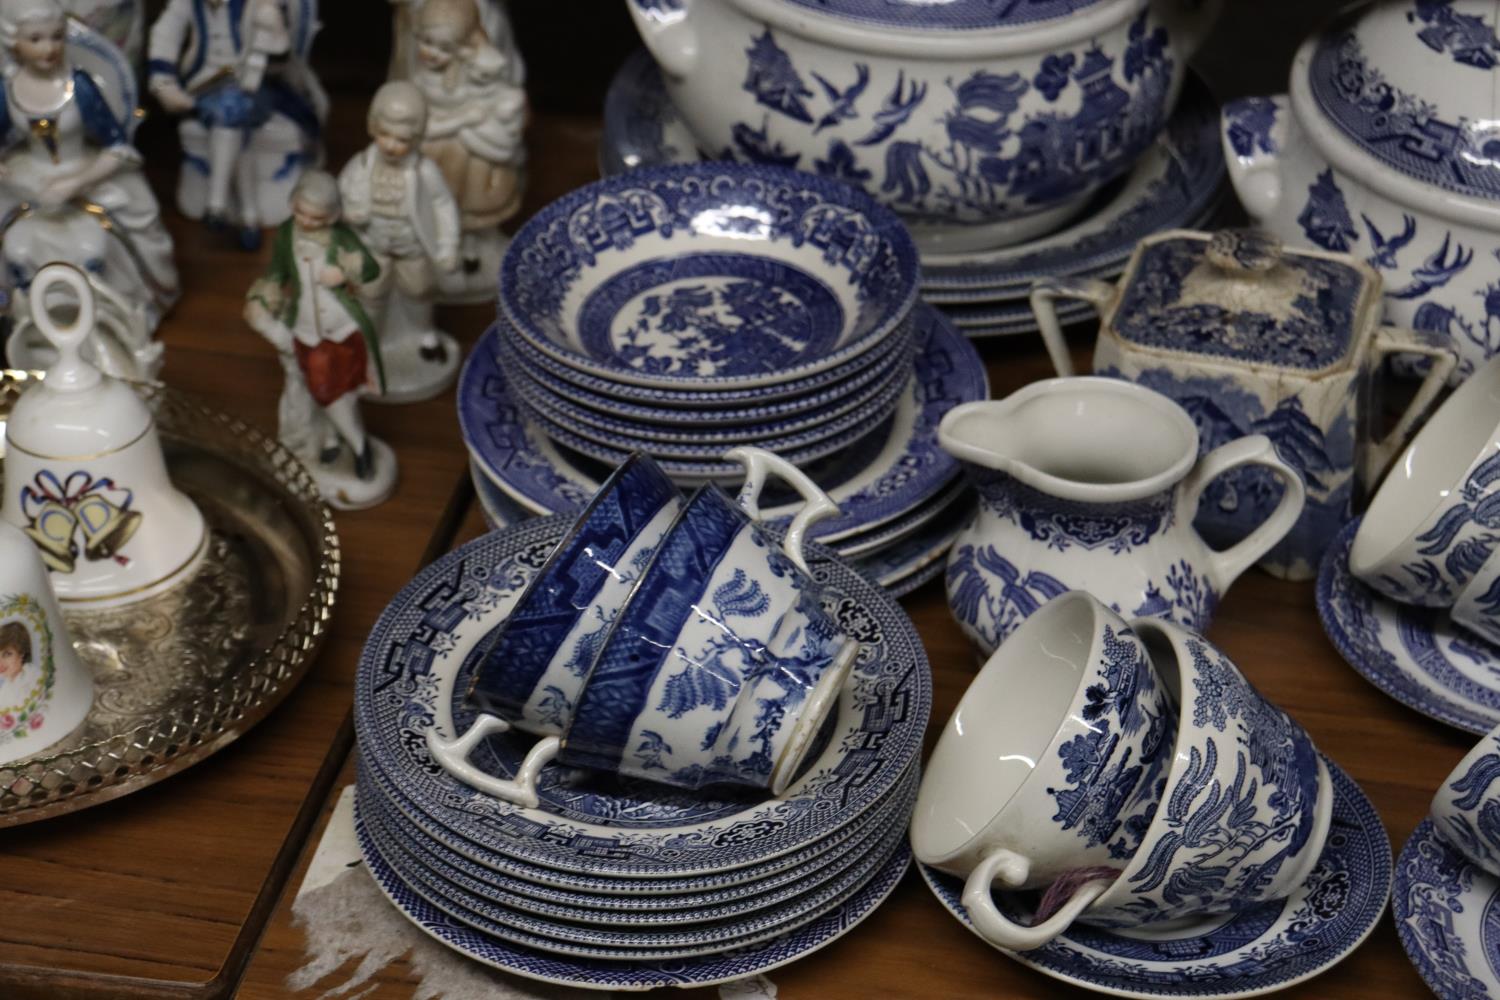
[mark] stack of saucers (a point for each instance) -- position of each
(686, 311)
(587, 872)
(1178, 182)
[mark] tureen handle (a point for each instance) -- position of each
(1044, 296)
(663, 26)
(759, 464)
(1398, 340)
(1225, 566)
(1254, 131)
(998, 929)
(453, 755)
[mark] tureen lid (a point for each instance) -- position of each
(938, 15)
(1238, 295)
(77, 411)
(1414, 85)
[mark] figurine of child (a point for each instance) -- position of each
(399, 202)
(68, 159)
(238, 69)
(307, 305)
(474, 125)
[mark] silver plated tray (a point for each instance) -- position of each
(182, 675)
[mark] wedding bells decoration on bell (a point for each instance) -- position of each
(85, 477)
(45, 689)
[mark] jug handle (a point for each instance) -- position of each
(1398, 340)
(453, 755)
(1254, 131)
(1044, 295)
(663, 26)
(998, 929)
(759, 465)
(1256, 449)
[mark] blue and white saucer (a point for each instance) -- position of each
(429, 638)
(1447, 912)
(702, 971)
(890, 472)
(1261, 950)
(1174, 185)
(1416, 655)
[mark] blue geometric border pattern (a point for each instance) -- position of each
(1392, 646)
(1434, 884)
(416, 647)
(1267, 947)
(704, 971)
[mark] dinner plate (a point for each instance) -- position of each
(1418, 656)
(1447, 913)
(428, 641)
(1260, 950)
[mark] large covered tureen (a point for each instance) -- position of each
(1388, 146)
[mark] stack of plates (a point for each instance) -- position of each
(1178, 183)
(618, 883)
(901, 496)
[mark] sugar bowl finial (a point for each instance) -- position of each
(85, 477)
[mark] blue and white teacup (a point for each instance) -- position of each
(720, 667)
(535, 663)
(1054, 760)
(1436, 517)
(1478, 605)
(1242, 819)
(1466, 808)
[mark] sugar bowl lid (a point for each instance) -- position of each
(76, 411)
(1240, 296)
(1414, 85)
(945, 15)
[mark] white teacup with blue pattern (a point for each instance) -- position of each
(720, 667)
(1466, 808)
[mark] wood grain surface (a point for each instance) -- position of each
(185, 889)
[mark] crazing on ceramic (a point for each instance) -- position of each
(977, 141)
(1253, 339)
(411, 669)
(658, 277)
(1077, 514)
(1261, 949)
(1447, 912)
(1383, 149)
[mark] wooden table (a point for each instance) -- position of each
(185, 889)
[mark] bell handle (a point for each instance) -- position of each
(71, 373)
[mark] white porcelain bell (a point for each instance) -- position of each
(85, 477)
(45, 690)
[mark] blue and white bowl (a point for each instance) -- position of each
(709, 276)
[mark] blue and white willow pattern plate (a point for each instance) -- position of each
(1261, 950)
(410, 679)
(709, 275)
(1416, 655)
(703, 971)
(889, 473)
(1447, 912)
(1174, 185)
(657, 909)
(639, 944)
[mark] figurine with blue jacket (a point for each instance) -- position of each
(237, 70)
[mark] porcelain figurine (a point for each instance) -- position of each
(983, 124)
(475, 117)
(73, 184)
(1252, 338)
(308, 307)
(123, 22)
(399, 202)
(1383, 148)
(46, 691)
(237, 71)
(1091, 484)
(493, 21)
(85, 476)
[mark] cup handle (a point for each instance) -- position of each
(759, 465)
(1000, 930)
(1397, 340)
(1256, 449)
(1044, 295)
(663, 26)
(453, 755)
